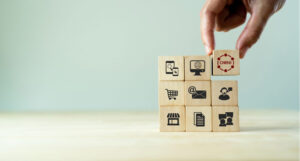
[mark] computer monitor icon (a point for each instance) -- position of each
(197, 66)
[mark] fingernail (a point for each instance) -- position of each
(207, 49)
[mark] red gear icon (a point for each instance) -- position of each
(225, 62)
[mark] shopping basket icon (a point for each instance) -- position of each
(172, 94)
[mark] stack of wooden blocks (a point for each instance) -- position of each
(190, 101)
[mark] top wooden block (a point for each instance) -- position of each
(171, 67)
(197, 67)
(226, 62)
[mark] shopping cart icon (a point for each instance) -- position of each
(172, 94)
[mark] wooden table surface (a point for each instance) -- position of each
(91, 136)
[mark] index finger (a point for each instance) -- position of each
(207, 18)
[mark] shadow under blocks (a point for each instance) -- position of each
(190, 101)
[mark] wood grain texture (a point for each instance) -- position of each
(222, 95)
(202, 62)
(166, 95)
(166, 65)
(199, 87)
(229, 112)
(164, 119)
(266, 135)
(226, 62)
(206, 111)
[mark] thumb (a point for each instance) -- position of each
(251, 32)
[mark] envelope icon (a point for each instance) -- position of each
(201, 94)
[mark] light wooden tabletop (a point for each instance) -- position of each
(91, 136)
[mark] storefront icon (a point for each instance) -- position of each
(173, 119)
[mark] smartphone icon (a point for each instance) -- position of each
(171, 69)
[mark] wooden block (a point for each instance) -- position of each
(197, 93)
(171, 93)
(198, 118)
(197, 67)
(172, 118)
(226, 62)
(171, 67)
(224, 92)
(225, 118)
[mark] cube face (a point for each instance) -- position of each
(190, 101)
(171, 67)
(225, 118)
(198, 118)
(197, 67)
(224, 92)
(226, 62)
(172, 119)
(197, 93)
(171, 92)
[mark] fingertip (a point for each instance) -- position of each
(242, 56)
(243, 52)
(208, 50)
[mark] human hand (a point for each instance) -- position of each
(224, 15)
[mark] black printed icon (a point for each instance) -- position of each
(224, 96)
(226, 119)
(197, 94)
(197, 66)
(199, 119)
(173, 119)
(172, 94)
(171, 69)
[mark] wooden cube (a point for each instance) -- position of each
(198, 118)
(171, 93)
(226, 62)
(172, 118)
(224, 92)
(197, 93)
(225, 118)
(171, 67)
(197, 67)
